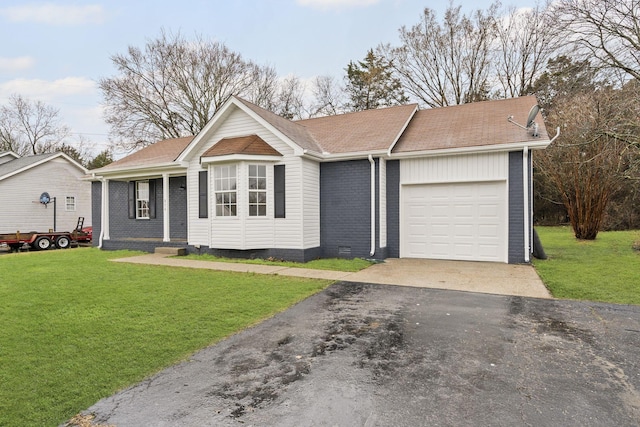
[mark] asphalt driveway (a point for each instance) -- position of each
(377, 355)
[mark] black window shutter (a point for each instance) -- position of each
(152, 198)
(132, 199)
(279, 191)
(203, 192)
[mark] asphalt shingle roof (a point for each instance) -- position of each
(370, 130)
(470, 125)
(164, 151)
(252, 144)
(20, 163)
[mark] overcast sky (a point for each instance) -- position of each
(56, 50)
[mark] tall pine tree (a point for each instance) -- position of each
(370, 84)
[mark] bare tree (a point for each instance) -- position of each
(446, 63)
(589, 163)
(606, 30)
(328, 98)
(526, 40)
(264, 90)
(289, 100)
(173, 86)
(30, 127)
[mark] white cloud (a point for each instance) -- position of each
(336, 4)
(45, 90)
(10, 65)
(54, 14)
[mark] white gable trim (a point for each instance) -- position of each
(187, 153)
(45, 160)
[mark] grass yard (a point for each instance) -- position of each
(76, 327)
(606, 269)
(336, 264)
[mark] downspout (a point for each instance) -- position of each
(373, 205)
(525, 184)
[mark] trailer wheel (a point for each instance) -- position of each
(63, 242)
(42, 243)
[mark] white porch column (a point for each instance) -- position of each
(165, 208)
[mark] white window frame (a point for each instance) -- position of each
(142, 200)
(257, 190)
(225, 185)
(70, 203)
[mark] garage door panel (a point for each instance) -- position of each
(465, 221)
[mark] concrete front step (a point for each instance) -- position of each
(171, 251)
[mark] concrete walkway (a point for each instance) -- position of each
(483, 277)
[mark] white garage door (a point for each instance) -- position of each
(460, 221)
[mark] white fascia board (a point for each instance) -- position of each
(9, 153)
(138, 171)
(395, 141)
(239, 158)
(360, 155)
(539, 145)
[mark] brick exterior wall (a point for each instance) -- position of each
(345, 210)
(393, 209)
(123, 228)
(96, 211)
(296, 255)
(516, 209)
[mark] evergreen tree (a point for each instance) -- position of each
(370, 84)
(102, 159)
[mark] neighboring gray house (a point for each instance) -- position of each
(24, 179)
(446, 183)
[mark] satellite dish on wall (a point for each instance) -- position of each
(532, 115)
(44, 198)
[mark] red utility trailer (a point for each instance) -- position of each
(45, 240)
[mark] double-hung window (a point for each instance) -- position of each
(70, 204)
(257, 190)
(224, 179)
(142, 200)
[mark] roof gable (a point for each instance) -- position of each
(25, 163)
(289, 132)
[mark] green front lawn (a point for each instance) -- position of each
(76, 327)
(336, 264)
(606, 269)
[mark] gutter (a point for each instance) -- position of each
(373, 206)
